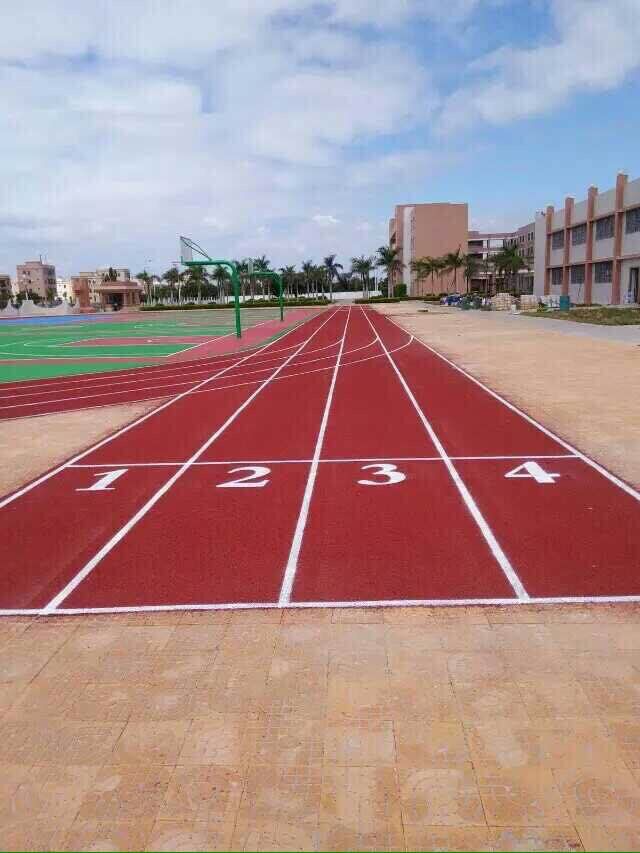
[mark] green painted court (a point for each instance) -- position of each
(30, 350)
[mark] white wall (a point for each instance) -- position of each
(632, 193)
(605, 202)
(579, 212)
(602, 248)
(577, 253)
(407, 219)
(539, 254)
(558, 219)
(630, 242)
(625, 277)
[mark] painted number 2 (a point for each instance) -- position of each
(532, 470)
(387, 472)
(251, 481)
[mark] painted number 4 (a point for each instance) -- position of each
(533, 471)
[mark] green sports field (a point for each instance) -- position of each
(58, 346)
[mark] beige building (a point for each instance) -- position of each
(5, 288)
(37, 277)
(590, 250)
(433, 229)
(94, 290)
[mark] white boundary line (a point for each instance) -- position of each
(172, 385)
(292, 562)
(586, 459)
(14, 495)
(499, 555)
(144, 509)
(320, 461)
(303, 605)
(203, 369)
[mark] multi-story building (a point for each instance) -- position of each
(37, 277)
(96, 278)
(590, 250)
(5, 288)
(434, 230)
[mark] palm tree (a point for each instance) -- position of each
(172, 278)
(261, 264)
(389, 259)
(308, 273)
(421, 268)
(362, 266)
(145, 278)
(331, 271)
(288, 278)
(471, 269)
(220, 275)
(509, 262)
(453, 262)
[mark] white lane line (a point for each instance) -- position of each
(153, 500)
(489, 537)
(292, 562)
(586, 459)
(17, 494)
(144, 380)
(302, 605)
(320, 461)
(197, 390)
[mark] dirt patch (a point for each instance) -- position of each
(30, 446)
(586, 390)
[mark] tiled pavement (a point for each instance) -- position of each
(419, 729)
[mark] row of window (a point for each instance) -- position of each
(602, 274)
(604, 229)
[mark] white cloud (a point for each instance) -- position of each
(325, 220)
(594, 49)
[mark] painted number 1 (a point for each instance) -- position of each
(104, 483)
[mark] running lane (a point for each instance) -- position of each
(52, 530)
(221, 534)
(392, 529)
(567, 528)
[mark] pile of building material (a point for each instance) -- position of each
(502, 302)
(551, 300)
(528, 302)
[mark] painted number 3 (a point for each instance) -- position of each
(387, 473)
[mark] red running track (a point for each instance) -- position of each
(179, 373)
(345, 463)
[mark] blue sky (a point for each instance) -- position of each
(292, 127)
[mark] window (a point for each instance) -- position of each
(603, 272)
(632, 220)
(557, 240)
(579, 235)
(577, 274)
(556, 276)
(604, 228)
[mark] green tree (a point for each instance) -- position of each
(289, 279)
(362, 266)
(388, 258)
(508, 263)
(221, 275)
(453, 261)
(145, 278)
(471, 269)
(331, 271)
(172, 278)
